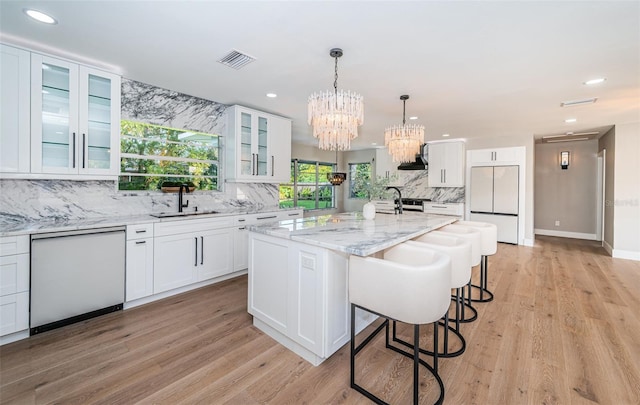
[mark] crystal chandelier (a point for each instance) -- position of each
(404, 140)
(335, 115)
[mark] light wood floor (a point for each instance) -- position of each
(564, 328)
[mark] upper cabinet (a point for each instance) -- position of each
(75, 118)
(14, 109)
(446, 164)
(258, 147)
(493, 157)
(385, 167)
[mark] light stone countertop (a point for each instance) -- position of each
(37, 227)
(351, 233)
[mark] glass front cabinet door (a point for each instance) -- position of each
(75, 118)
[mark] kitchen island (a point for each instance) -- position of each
(298, 291)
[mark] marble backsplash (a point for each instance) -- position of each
(57, 200)
(417, 186)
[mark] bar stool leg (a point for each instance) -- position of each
(483, 286)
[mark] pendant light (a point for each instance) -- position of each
(336, 178)
(404, 140)
(335, 115)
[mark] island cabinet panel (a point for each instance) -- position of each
(298, 295)
(270, 274)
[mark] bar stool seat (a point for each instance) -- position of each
(459, 251)
(475, 238)
(489, 235)
(410, 285)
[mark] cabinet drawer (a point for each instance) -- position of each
(444, 208)
(191, 225)
(14, 313)
(13, 245)
(139, 231)
(14, 274)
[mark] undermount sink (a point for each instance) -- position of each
(181, 214)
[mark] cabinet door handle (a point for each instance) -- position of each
(269, 217)
(202, 250)
(84, 155)
(141, 230)
(272, 165)
(242, 228)
(444, 172)
(196, 263)
(141, 242)
(73, 151)
(241, 220)
(294, 215)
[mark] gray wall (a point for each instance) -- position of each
(608, 143)
(568, 196)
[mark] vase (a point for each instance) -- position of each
(369, 210)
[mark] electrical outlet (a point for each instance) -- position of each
(557, 223)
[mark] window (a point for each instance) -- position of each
(152, 154)
(309, 187)
(360, 171)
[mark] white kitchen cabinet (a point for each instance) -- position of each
(15, 79)
(494, 157)
(75, 118)
(446, 164)
(189, 251)
(139, 262)
(385, 167)
(258, 146)
(241, 234)
(14, 284)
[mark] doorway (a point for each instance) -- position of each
(602, 156)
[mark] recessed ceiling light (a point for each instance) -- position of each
(570, 120)
(413, 118)
(272, 95)
(445, 135)
(40, 16)
(595, 81)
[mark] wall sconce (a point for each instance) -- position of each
(564, 160)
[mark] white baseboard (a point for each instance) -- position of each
(564, 234)
(528, 242)
(625, 254)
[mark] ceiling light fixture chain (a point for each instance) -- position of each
(404, 140)
(335, 116)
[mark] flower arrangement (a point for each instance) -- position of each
(374, 188)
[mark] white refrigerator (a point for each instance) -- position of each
(494, 199)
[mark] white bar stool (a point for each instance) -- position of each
(459, 251)
(489, 234)
(474, 237)
(410, 285)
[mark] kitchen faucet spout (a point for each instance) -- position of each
(180, 204)
(398, 201)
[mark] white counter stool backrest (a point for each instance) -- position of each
(467, 233)
(458, 250)
(411, 285)
(489, 234)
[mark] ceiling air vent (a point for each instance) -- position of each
(578, 102)
(236, 59)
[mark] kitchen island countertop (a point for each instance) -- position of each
(352, 234)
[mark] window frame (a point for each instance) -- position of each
(216, 179)
(317, 184)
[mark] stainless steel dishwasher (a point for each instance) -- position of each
(76, 275)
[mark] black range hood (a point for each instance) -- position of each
(420, 163)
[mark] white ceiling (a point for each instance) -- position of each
(472, 69)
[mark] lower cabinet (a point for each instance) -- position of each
(14, 284)
(191, 255)
(139, 278)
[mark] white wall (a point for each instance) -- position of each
(627, 191)
(510, 141)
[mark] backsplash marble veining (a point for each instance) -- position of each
(416, 186)
(146, 103)
(63, 200)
